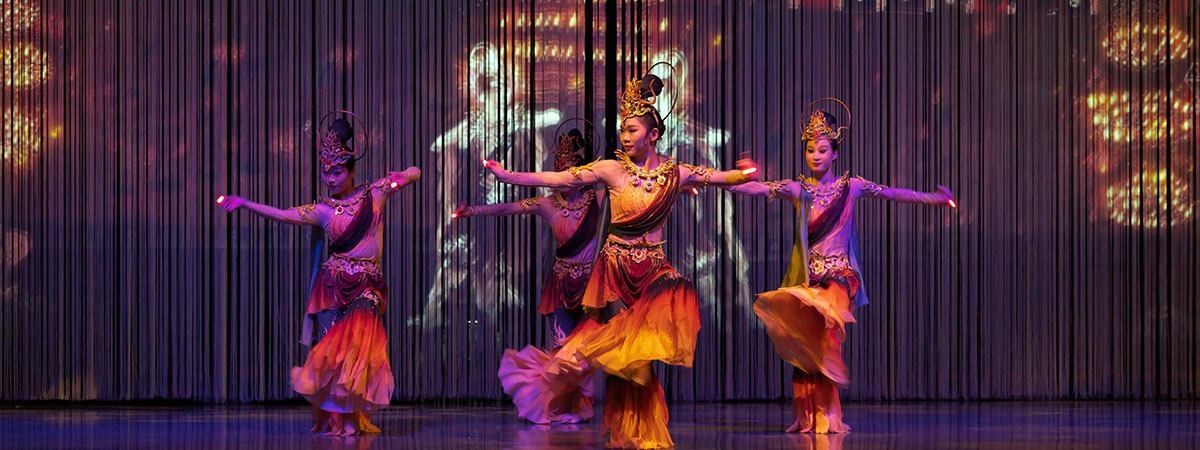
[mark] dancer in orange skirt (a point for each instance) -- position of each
(806, 318)
(347, 374)
(556, 386)
(659, 317)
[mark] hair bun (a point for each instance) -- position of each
(830, 118)
(343, 129)
(650, 86)
(578, 141)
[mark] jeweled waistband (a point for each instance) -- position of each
(573, 269)
(637, 251)
(352, 265)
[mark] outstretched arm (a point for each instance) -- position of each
(941, 197)
(526, 206)
(782, 189)
(706, 176)
(586, 175)
(394, 181)
(300, 215)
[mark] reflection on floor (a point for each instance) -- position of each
(993, 425)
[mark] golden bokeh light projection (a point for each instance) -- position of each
(1151, 199)
(24, 65)
(1120, 117)
(1144, 46)
(22, 138)
(19, 15)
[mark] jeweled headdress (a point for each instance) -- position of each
(567, 154)
(637, 101)
(332, 149)
(571, 145)
(819, 127)
(333, 152)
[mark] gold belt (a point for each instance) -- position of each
(637, 251)
(352, 266)
(563, 268)
(821, 266)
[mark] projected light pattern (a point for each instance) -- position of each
(497, 127)
(19, 15)
(1114, 117)
(22, 138)
(1151, 199)
(24, 65)
(1142, 46)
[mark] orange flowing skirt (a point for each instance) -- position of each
(347, 373)
(661, 323)
(807, 326)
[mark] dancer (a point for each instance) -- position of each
(556, 386)
(660, 317)
(347, 374)
(806, 317)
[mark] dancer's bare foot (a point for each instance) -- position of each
(794, 428)
(570, 418)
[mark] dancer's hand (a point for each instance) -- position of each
(496, 168)
(461, 212)
(395, 179)
(230, 202)
(947, 196)
(749, 168)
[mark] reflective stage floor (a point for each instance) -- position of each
(948, 425)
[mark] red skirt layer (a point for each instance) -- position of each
(563, 291)
(348, 370)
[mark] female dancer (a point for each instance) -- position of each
(347, 373)
(555, 386)
(660, 319)
(806, 317)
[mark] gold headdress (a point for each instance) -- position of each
(634, 101)
(819, 127)
(640, 95)
(331, 150)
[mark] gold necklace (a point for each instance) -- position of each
(575, 208)
(647, 179)
(823, 196)
(348, 205)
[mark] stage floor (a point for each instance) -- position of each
(949, 425)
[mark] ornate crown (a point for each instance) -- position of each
(333, 152)
(818, 128)
(567, 154)
(632, 102)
